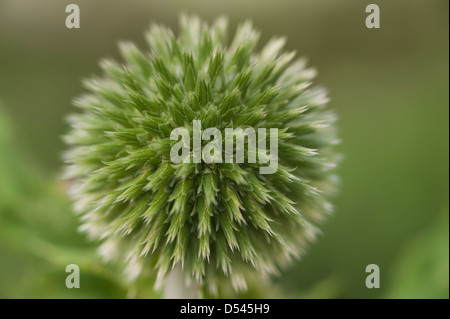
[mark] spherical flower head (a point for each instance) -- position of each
(220, 222)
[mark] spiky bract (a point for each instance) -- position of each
(219, 222)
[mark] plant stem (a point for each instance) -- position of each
(176, 287)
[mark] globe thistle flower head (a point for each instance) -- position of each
(220, 222)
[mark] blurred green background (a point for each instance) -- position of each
(389, 87)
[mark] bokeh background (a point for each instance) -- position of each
(389, 87)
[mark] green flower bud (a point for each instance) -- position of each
(219, 222)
